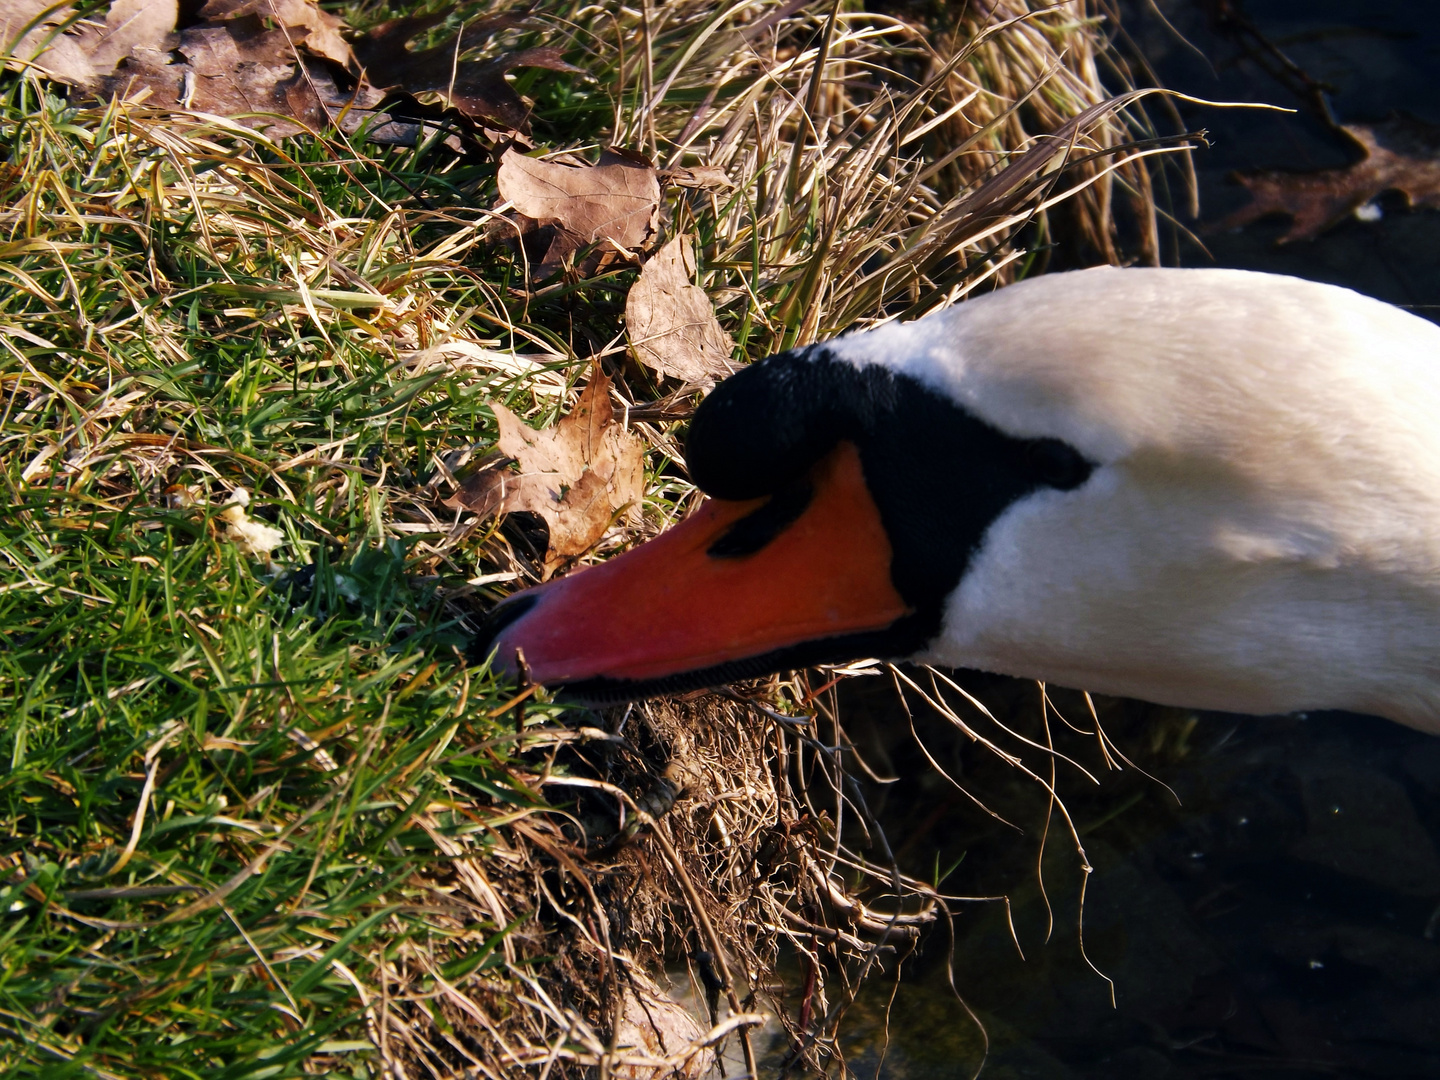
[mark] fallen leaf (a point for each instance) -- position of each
(86, 52)
(16, 15)
(671, 321)
(615, 203)
(1401, 154)
(288, 58)
(232, 65)
(476, 88)
(238, 68)
(578, 475)
(317, 30)
(241, 69)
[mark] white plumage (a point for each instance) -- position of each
(1262, 533)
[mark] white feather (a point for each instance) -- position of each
(1263, 531)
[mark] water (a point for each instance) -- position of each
(1379, 56)
(1280, 921)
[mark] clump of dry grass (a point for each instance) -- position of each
(883, 169)
(259, 817)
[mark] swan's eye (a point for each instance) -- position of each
(1057, 464)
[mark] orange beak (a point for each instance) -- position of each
(674, 612)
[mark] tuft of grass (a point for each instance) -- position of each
(259, 820)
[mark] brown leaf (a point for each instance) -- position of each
(240, 68)
(213, 83)
(671, 321)
(233, 63)
(1401, 154)
(63, 57)
(15, 15)
(615, 203)
(239, 57)
(477, 88)
(577, 475)
(235, 71)
(85, 53)
(135, 27)
(317, 30)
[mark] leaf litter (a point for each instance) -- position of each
(281, 58)
(318, 30)
(1401, 154)
(614, 204)
(671, 321)
(475, 88)
(84, 52)
(580, 475)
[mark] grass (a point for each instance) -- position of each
(189, 871)
(259, 819)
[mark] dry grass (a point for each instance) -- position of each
(883, 169)
(266, 824)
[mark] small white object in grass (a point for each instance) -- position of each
(490, 579)
(251, 537)
(347, 587)
(1369, 212)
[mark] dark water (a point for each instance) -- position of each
(1279, 921)
(1282, 921)
(1378, 57)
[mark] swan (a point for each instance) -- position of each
(1209, 488)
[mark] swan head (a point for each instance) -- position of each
(1206, 488)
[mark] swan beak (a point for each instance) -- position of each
(734, 581)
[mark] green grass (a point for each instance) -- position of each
(258, 819)
(208, 948)
(225, 782)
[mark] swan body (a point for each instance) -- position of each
(1209, 488)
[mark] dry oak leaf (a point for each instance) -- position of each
(233, 62)
(235, 71)
(86, 52)
(476, 88)
(615, 203)
(671, 321)
(578, 475)
(237, 68)
(318, 30)
(1401, 154)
